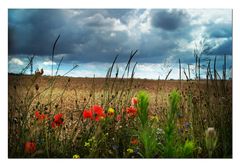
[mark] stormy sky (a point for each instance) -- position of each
(91, 38)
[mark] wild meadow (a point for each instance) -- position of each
(120, 116)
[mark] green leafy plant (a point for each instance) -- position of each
(143, 102)
(146, 133)
(187, 149)
(147, 137)
(170, 146)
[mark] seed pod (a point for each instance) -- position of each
(36, 87)
(194, 100)
(211, 140)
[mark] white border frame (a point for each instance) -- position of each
(220, 4)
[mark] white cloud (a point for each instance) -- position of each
(103, 22)
(16, 61)
(148, 67)
(205, 16)
(47, 63)
(112, 34)
(118, 26)
(138, 24)
(145, 24)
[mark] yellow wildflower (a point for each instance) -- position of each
(154, 118)
(111, 111)
(76, 156)
(129, 150)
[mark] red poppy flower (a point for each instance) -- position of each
(57, 120)
(131, 111)
(98, 112)
(58, 117)
(134, 101)
(87, 114)
(134, 141)
(39, 116)
(29, 147)
(53, 124)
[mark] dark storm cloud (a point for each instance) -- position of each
(84, 35)
(222, 31)
(170, 20)
(157, 51)
(98, 35)
(224, 48)
(33, 31)
(219, 30)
